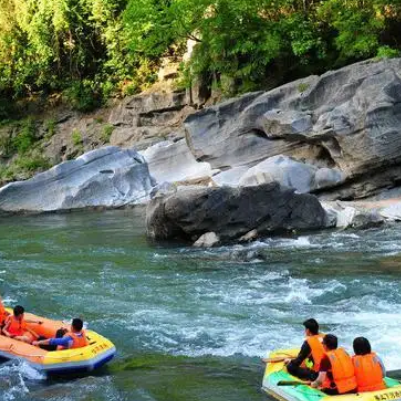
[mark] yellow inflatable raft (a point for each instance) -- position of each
(276, 375)
(99, 351)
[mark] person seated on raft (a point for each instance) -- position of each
(3, 314)
(16, 326)
(336, 373)
(75, 338)
(311, 349)
(369, 368)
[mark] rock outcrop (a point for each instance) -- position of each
(337, 136)
(106, 177)
(232, 212)
(348, 120)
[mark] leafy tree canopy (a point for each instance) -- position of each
(92, 48)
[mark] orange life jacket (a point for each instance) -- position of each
(342, 369)
(3, 314)
(317, 350)
(79, 340)
(368, 372)
(16, 327)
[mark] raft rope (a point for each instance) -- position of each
(39, 355)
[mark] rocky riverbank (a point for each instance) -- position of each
(335, 136)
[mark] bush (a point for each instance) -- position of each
(76, 138)
(26, 136)
(107, 132)
(83, 96)
(31, 163)
(6, 145)
(50, 127)
(387, 52)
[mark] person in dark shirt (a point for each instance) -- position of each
(311, 350)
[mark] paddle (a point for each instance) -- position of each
(273, 360)
(291, 383)
(394, 374)
(277, 358)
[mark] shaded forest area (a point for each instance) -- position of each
(89, 50)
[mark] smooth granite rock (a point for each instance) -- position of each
(106, 177)
(348, 120)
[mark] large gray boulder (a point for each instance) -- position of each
(349, 120)
(232, 212)
(106, 177)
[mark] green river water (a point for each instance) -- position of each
(192, 324)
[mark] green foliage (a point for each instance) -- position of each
(83, 96)
(76, 137)
(31, 163)
(23, 167)
(302, 87)
(6, 144)
(107, 132)
(93, 49)
(387, 52)
(50, 127)
(25, 137)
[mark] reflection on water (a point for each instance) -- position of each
(191, 324)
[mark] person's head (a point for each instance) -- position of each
(311, 327)
(19, 311)
(330, 342)
(77, 325)
(362, 346)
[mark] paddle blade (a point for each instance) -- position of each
(291, 383)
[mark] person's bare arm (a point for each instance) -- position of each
(5, 329)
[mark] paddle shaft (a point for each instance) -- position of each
(277, 359)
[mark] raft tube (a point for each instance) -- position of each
(70, 361)
(276, 372)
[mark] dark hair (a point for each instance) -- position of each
(77, 324)
(362, 346)
(18, 310)
(330, 341)
(312, 325)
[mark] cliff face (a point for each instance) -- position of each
(348, 120)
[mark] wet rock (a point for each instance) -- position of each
(106, 177)
(207, 240)
(231, 212)
(250, 236)
(345, 217)
(370, 219)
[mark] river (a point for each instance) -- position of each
(188, 324)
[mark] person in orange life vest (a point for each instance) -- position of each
(16, 326)
(336, 374)
(312, 350)
(369, 368)
(75, 338)
(3, 313)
